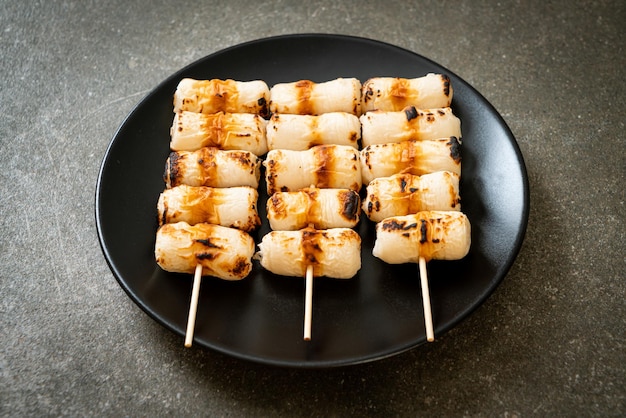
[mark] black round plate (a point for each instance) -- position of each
(376, 314)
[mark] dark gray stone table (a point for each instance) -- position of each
(549, 342)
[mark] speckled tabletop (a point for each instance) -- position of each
(549, 341)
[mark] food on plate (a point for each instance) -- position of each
(235, 207)
(212, 96)
(431, 235)
(392, 93)
(403, 194)
(334, 252)
(379, 127)
(228, 131)
(212, 167)
(306, 97)
(324, 166)
(223, 252)
(419, 238)
(414, 157)
(300, 132)
(320, 208)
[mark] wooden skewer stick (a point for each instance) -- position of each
(308, 303)
(428, 316)
(308, 297)
(193, 306)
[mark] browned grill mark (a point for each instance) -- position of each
(313, 214)
(207, 243)
(264, 109)
(304, 89)
(455, 149)
(400, 87)
(206, 256)
(210, 254)
(324, 163)
(206, 160)
(446, 85)
(311, 249)
(163, 217)
(312, 193)
(423, 231)
(241, 267)
(350, 204)
(221, 91)
(171, 174)
(276, 203)
(214, 126)
(403, 184)
(367, 92)
(410, 155)
(366, 158)
(316, 137)
(272, 166)
(455, 199)
(395, 225)
(242, 157)
(410, 112)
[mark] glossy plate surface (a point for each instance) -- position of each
(374, 315)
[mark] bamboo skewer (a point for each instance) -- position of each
(428, 316)
(308, 303)
(308, 298)
(193, 306)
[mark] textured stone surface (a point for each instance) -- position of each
(549, 342)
